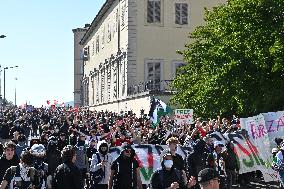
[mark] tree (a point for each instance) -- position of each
(235, 64)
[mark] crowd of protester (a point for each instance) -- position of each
(58, 148)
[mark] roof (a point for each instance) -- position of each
(96, 20)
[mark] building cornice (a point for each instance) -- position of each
(96, 20)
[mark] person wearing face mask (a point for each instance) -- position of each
(168, 177)
(125, 171)
(8, 159)
(101, 161)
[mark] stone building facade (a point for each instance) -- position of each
(130, 51)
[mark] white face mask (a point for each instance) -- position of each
(168, 163)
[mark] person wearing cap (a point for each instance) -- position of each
(8, 158)
(219, 162)
(125, 171)
(169, 176)
(208, 178)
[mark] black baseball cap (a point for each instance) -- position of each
(207, 174)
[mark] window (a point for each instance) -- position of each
(103, 37)
(181, 11)
(153, 75)
(98, 44)
(123, 11)
(109, 32)
(116, 20)
(93, 48)
(176, 66)
(154, 11)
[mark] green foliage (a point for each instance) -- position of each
(235, 64)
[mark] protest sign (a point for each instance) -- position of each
(184, 116)
(274, 122)
(258, 135)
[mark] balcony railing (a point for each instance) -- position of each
(151, 86)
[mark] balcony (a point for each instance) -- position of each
(163, 86)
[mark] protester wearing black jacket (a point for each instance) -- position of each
(231, 165)
(67, 175)
(198, 160)
(169, 176)
(8, 159)
(125, 171)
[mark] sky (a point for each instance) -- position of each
(40, 42)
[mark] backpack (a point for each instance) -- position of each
(99, 174)
(161, 176)
(19, 183)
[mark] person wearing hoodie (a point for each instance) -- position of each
(199, 159)
(125, 171)
(169, 176)
(53, 155)
(102, 159)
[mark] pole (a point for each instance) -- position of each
(0, 84)
(4, 87)
(16, 92)
(15, 96)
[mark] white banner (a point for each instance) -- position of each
(258, 135)
(274, 122)
(184, 116)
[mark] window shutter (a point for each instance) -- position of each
(150, 11)
(177, 12)
(157, 11)
(184, 14)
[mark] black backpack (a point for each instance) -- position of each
(97, 176)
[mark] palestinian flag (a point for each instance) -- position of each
(158, 109)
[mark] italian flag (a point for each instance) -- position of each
(158, 109)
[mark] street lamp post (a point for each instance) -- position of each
(16, 92)
(6, 68)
